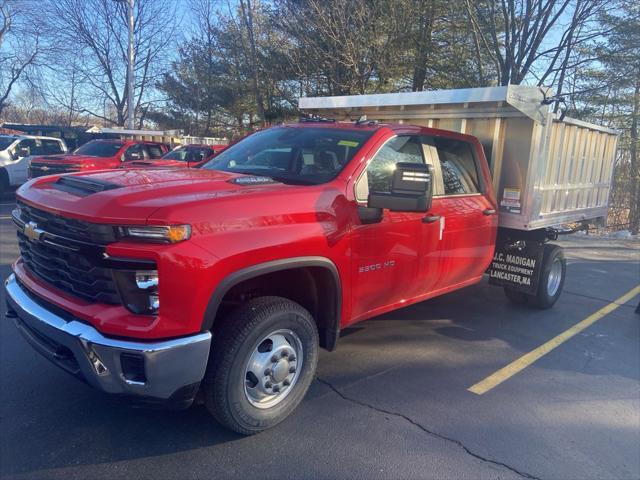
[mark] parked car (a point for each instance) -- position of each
(103, 154)
(190, 156)
(16, 152)
(227, 279)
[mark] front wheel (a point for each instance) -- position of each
(263, 359)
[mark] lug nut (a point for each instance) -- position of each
(286, 382)
(267, 372)
(292, 358)
(267, 385)
(285, 354)
(292, 370)
(276, 389)
(274, 358)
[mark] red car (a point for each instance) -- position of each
(229, 278)
(97, 155)
(190, 156)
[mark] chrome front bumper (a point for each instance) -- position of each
(153, 370)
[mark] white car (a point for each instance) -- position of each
(15, 153)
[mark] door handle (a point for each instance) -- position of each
(430, 218)
(489, 211)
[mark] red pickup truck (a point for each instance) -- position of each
(189, 156)
(96, 155)
(227, 279)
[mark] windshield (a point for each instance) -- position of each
(5, 142)
(308, 155)
(189, 154)
(99, 149)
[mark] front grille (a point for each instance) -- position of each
(68, 270)
(71, 228)
(68, 255)
(39, 169)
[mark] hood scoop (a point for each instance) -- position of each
(83, 187)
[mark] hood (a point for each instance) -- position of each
(133, 195)
(158, 163)
(69, 158)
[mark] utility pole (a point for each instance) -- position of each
(130, 61)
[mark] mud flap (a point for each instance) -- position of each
(517, 260)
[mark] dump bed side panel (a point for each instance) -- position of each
(576, 180)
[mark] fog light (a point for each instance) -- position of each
(138, 290)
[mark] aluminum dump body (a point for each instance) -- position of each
(546, 171)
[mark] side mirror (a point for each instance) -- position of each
(411, 189)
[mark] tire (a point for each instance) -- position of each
(552, 276)
(255, 334)
(516, 297)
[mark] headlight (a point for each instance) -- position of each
(138, 290)
(165, 234)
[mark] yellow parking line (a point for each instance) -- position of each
(523, 362)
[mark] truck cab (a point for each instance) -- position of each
(16, 152)
(102, 154)
(373, 217)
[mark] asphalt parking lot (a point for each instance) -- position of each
(391, 402)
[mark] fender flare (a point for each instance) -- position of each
(331, 335)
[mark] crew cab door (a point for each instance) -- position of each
(18, 166)
(388, 258)
(465, 202)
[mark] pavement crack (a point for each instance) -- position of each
(426, 430)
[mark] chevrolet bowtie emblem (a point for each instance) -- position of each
(32, 232)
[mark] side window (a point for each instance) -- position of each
(134, 152)
(51, 147)
(458, 165)
(154, 151)
(379, 173)
(28, 147)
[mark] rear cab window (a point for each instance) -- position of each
(51, 147)
(455, 164)
(154, 151)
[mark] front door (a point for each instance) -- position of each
(387, 260)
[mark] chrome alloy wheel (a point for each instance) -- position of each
(273, 368)
(555, 277)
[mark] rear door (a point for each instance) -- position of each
(469, 221)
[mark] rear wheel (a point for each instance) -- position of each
(263, 359)
(551, 283)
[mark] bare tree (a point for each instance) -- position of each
(95, 33)
(518, 34)
(20, 45)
